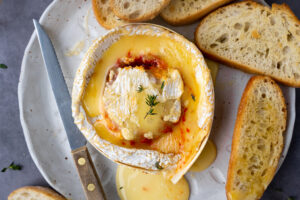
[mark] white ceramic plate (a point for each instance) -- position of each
(71, 21)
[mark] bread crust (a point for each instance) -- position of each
(192, 18)
(38, 189)
(238, 126)
(98, 15)
(246, 68)
(144, 17)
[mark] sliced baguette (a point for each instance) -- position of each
(136, 11)
(104, 14)
(34, 193)
(184, 12)
(257, 140)
(254, 38)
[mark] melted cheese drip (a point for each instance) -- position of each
(206, 158)
(76, 49)
(134, 184)
(214, 68)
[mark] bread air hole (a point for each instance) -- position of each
(213, 45)
(272, 21)
(103, 1)
(289, 37)
(286, 49)
(264, 172)
(279, 64)
(238, 26)
(239, 172)
(261, 147)
(135, 14)
(126, 5)
(267, 52)
(247, 26)
(223, 38)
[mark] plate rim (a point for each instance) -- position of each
(24, 125)
(26, 131)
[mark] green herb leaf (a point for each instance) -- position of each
(151, 100)
(157, 165)
(291, 198)
(3, 66)
(193, 97)
(140, 89)
(120, 188)
(12, 166)
(150, 112)
(162, 85)
(15, 167)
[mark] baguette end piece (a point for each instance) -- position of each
(34, 193)
(138, 11)
(182, 13)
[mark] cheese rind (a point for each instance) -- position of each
(177, 52)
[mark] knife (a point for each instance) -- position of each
(90, 182)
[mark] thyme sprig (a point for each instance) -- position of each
(162, 85)
(151, 102)
(140, 89)
(12, 166)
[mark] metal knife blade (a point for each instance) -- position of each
(59, 87)
(86, 170)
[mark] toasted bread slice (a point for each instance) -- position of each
(254, 38)
(34, 193)
(136, 11)
(104, 14)
(184, 12)
(257, 140)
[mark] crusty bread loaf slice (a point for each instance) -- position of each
(258, 139)
(254, 38)
(104, 14)
(34, 193)
(180, 12)
(140, 10)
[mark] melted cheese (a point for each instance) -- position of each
(186, 135)
(127, 107)
(134, 184)
(206, 158)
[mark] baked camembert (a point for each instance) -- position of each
(143, 96)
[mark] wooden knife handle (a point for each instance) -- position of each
(90, 182)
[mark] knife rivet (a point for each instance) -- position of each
(81, 161)
(91, 187)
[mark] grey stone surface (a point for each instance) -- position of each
(15, 30)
